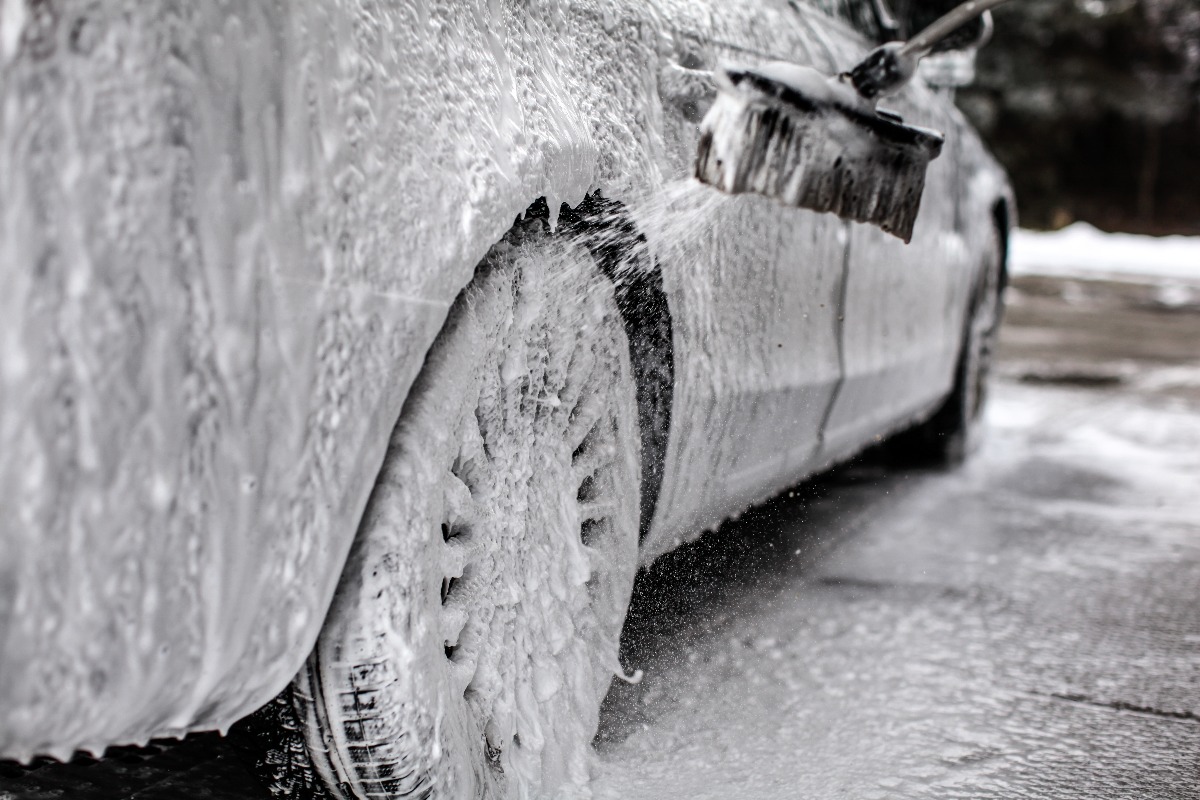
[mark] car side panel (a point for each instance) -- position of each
(905, 304)
(753, 290)
(230, 233)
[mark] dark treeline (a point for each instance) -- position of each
(1094, 106)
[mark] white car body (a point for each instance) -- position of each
(230, 232)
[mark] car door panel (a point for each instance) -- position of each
(754, 288)
(904, 303)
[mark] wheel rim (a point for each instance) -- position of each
(476, 629)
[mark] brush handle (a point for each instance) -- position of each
(924, 41)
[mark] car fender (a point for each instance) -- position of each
(229, 235)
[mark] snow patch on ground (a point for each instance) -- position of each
(1081, 250)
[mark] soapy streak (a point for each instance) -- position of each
(356, 288)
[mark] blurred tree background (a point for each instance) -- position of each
(1094, 107)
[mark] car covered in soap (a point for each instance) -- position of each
(354, 356)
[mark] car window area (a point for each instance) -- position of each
(862, 15)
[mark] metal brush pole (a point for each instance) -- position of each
(889, 67)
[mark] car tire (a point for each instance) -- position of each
(952, 434)
(475, 630)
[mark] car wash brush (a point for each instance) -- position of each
(790, 133)
(818, 142)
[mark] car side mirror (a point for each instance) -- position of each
(952, 69)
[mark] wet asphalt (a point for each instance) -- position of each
(1027, 626)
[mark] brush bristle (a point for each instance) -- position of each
(823, 158)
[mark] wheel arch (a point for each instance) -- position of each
(606, 228)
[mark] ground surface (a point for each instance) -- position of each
(1028, 626)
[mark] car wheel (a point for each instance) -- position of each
(953, 432)
(475, 630)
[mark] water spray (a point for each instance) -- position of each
(808, 140)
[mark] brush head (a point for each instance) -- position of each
(780, 132)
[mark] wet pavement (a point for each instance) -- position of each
(1025, 627)
(1028, 626)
